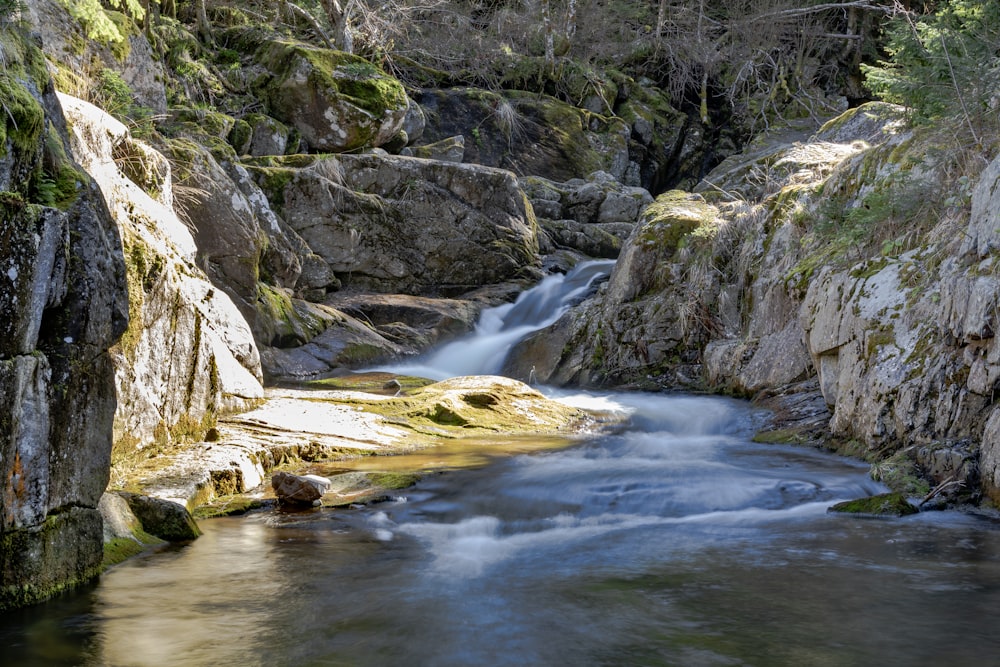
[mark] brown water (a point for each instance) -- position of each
(678, 542)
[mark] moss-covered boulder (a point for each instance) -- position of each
(337, 101)
(886, 504)
(526, 133)
(163, 518)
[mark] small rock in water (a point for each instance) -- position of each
(886, 504)
(299, 489)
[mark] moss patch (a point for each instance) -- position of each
(673, 217)
(120, 549)
(23, 116)
(374, 383)
(886, 504)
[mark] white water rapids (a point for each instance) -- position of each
(500, 328)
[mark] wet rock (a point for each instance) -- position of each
(163, 518)
(886, 504)
(299, 489)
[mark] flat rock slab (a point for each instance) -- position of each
(298, 425)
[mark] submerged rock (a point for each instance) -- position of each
(886, 504)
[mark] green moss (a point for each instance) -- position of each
(273, 181)
(23, 116)
(120, 549)
(393, 480)
(901, 474)
(336, 72)
(782, 436)
(230, 505)
(375, 383)
(877, 339)
(239, 136)
(675, 216)
(887, 504)
(143, 269)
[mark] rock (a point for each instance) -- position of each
(269, 136)
(886, 504)
(593, 240)
(465, 406)
(598, 199)
(299, 489)
(188, 353)
(63, 304)
(163, 518)
(412, 322)
(451, 149)
(378, 222)
(119, 520)
(523, 132)
(66, 40)
(345, 343)
(414, 121)
(337, 101)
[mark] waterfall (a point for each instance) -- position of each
(484, 350)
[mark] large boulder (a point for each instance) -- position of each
(642, 141)
(63, 303)
(397, 224)
(337, 101)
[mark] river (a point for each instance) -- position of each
(676, 541)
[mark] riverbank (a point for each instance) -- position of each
(305, 429)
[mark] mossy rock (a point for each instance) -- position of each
(886, 504)
(475, 407)
(670, 221)
(22, 80)
(162, 518)
(337, 101)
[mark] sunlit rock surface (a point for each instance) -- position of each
(303, 427)
(188, 353)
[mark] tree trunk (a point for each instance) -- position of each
(204, 27)
(337, 14)
(550, 45)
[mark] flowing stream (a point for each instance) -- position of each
(676, 541)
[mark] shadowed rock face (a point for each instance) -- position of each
(63, 303)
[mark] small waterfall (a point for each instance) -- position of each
(484, 350)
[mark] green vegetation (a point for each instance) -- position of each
(887, 504)
(944, 66)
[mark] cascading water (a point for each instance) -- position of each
(499, 329)
(677, 541)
